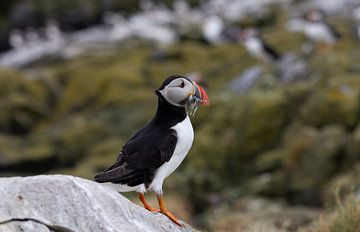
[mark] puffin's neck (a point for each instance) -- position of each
(167, 114)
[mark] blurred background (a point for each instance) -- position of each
(277, 150)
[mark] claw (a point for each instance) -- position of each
(172, 217)
(167, 212)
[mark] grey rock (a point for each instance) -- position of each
(71, 204)
(246, 80)
(292, 68)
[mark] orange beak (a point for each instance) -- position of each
(201, 94)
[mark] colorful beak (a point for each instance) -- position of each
(201, 94)
(198, 98)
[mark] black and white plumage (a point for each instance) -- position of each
(16, 39)
(356, 30)
(356, 22)
(157, 149)
(257, 47)
(318, 30)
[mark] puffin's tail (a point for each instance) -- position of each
(114, 174)
(121, 175)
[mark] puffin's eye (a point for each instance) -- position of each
(182, 85)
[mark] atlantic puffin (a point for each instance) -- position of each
(257, 47)
(156, 150)
(318, 30)
(356, 22)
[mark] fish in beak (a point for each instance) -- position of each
(197, 99)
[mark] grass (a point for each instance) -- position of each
(345, 218)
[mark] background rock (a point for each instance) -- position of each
(66, 203)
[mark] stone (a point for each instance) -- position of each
(246, 80)
(70, 204)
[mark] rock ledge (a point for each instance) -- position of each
(70, 204)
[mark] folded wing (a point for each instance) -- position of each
(140, 158)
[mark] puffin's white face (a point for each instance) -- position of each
(178, 91)
(315, 16)
(182, 92)
(249, 33)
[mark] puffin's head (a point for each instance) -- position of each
(182, 92)
(248, 33)
(315, 16)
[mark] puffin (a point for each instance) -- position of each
(356, 22)
(257, 47)
(156, 150)
(318, 30)
(16, 39)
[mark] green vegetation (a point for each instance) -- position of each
(297, 141)
(344, 219)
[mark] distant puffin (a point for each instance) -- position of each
(16, 39)
(318, 30)
(257, 47)
(157, 149)
(356, 23)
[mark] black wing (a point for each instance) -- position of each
(274, 54)
(140, 157)
(333, 31)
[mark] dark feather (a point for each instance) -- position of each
(274, 54)
(147, 150)
(333, 31)
(140, 158)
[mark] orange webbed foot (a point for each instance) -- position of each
(166, 212)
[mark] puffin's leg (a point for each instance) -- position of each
(164, 210)
(146, 205)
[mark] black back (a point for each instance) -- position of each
(149, 148)
(269, 50)
(333, 31)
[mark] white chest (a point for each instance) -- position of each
(318, 32)
(255, 47)
(185, 138)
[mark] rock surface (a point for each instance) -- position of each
(70, 204)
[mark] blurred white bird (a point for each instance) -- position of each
(356, 19)
(213, 28)
(257, 47)
(16, 39)
(318, 30)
